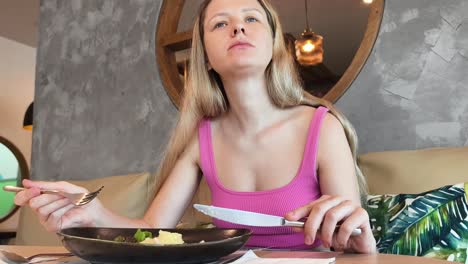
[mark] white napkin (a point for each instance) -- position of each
(250, 258)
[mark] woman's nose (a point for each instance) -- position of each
(238, 30)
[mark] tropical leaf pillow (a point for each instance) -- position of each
(431, 224)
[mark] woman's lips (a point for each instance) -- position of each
(241, 45)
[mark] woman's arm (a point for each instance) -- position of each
(340, 202)
(336, 172)
(171, 200)
(55, 212)
(175, 195)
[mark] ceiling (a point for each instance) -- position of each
(19, 20)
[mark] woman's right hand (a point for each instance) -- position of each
(56, 212)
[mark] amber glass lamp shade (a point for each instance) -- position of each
(309, 48)
(28, 117)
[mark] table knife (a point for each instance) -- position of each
(252, 218)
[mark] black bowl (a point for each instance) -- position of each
(97, 245)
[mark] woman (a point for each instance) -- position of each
(259, 141)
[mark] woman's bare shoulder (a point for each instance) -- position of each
(303, 113)
(332, 137)
(192, 149)
(308, 112)
(331, 128)
(332, 125)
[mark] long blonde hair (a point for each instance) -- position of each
(204, 95)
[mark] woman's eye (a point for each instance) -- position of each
(251, 19)
(220, 25)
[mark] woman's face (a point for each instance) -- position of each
(238, 38)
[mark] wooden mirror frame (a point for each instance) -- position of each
(169, 41)
(23, 167)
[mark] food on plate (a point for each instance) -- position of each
(146, 237)
(169, 238)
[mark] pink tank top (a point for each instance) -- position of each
(303, 189)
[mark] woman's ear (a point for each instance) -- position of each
(208, 66)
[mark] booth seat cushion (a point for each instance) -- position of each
(414, 171)
(127, 195)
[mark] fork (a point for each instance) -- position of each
(75, 198)
(11, 257)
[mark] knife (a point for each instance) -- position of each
(252, 218)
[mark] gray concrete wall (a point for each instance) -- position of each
(413, 91)
(100, 107)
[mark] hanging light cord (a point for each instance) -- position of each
(307, 16)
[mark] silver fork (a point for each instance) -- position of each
(11, 257)
(75, 198)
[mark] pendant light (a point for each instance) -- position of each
(28, 118)
(309, 48)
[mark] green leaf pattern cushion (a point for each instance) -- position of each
(431, 224)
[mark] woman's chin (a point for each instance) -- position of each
(244, 69)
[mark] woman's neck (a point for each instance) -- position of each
(250, 107)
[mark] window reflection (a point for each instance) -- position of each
(13, 169)
(9, 166)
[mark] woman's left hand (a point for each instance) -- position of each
(322, 217)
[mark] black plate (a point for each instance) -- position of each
(96, 245)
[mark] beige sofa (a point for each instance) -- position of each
(388, 172)
(414, 171)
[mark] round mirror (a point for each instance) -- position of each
(349, 30)
(13, 168)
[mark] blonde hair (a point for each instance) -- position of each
(204, 93)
